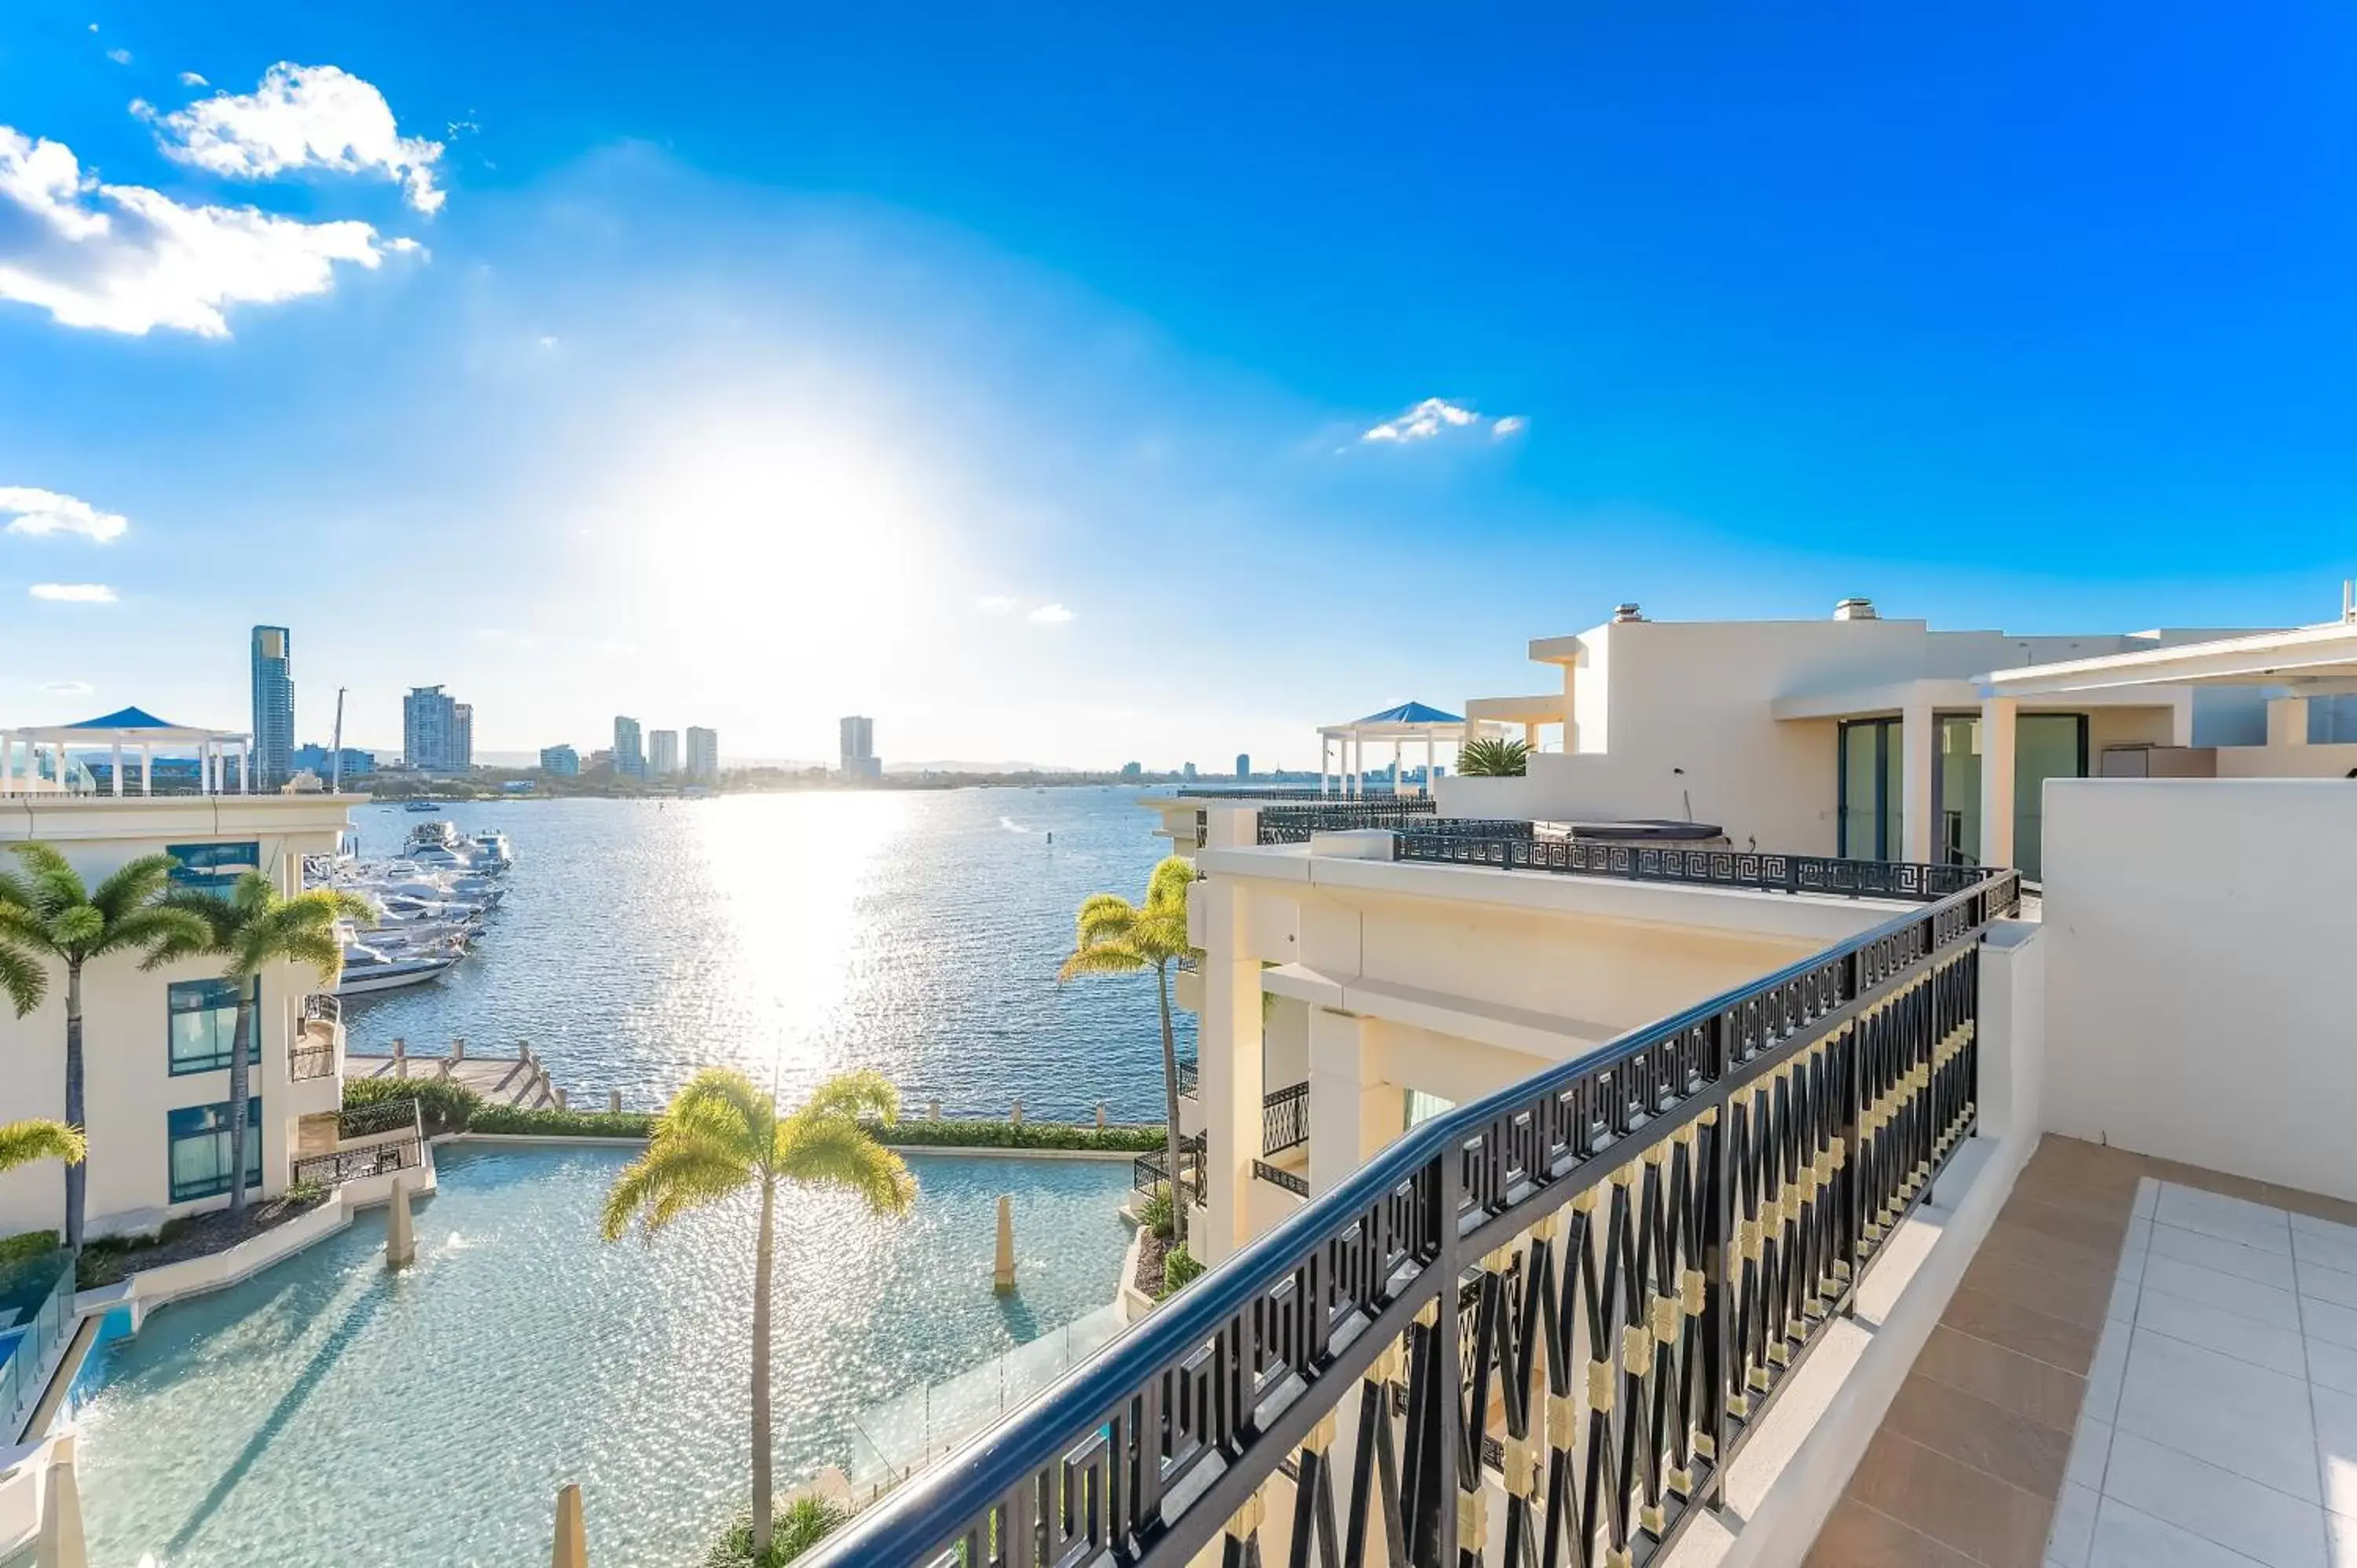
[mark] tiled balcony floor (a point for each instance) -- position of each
(2146, 1364)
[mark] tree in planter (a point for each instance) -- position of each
(720, 1135)
(1493, 758)
(1116, 937)
(252, 928)
(47, 912)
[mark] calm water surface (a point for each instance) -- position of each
(916, 932)
(329, 1415)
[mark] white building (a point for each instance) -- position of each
(662, 752)
(156, 1042)
(437, 732)
(703, 754)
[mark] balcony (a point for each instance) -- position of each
(317, 1048)
(370, 1140)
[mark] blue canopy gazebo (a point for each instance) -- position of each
(135, 731)
(1407, 722)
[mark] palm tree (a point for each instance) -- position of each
(254, 928)
(22, 1142)
(720, 1135)
(1116, 937)
(1493, 758)
(47, 912)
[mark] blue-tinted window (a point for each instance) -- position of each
(213, 867)
(199, 1151)
(203, 1023)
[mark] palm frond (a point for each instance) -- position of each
(832, 1152)
(25, 978)
(133, 884)
(15, 889)
(720, 1102)
(1171, 882)
(679, 1172)
(163, 935)
(44, 865)
(852, 1095)
(1103, 916)
(1105, 958)
(22, 1142)
(23, 926)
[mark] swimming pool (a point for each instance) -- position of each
(329, 1415)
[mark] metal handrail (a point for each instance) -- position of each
(1287, 793)
(1295, 824)
(305, 1063)
(323, 1008)
(1761, 1144)
(1284, 1119)
(1190, 1077)
(405, 1153)
(1278, 1175)
(1755, 869)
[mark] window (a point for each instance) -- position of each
(1871, 762)
(213, 867)
(203, 1015)
(2045, 745)
(199, 1149)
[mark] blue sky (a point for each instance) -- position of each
(1008, 373)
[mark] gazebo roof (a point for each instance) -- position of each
(1412, 714)
(133, 725)
(1407, 722)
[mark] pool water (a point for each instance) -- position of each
(331, 1414)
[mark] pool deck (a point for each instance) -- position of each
(519, 1081)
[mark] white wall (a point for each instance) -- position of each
(2201, 937)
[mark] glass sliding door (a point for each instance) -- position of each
(1957, 790)
(1872, 762)
(2046, 746)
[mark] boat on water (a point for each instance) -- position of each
(431, 900)
(422, 806)
(368, 968)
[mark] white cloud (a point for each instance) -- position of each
(121, 258)
(1051, 614)
(190, 79)
(67, 688)
(302, 116)
(996, 604)
(1438, 416)
(74, 593)
(1511, 425)
(120, 56)
(548, 341)
(46, 512)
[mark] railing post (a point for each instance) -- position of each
(1459, 1475)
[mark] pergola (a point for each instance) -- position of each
(1405, 723)
(126, 730)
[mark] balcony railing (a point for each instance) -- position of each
(1278, 1175)
(1190, 1077)
(307, 1059)
(1152, 1169)
(1284, 1119)
(1282, 792)
(1648, 1241)
(1459, 844)
(359, 1164)
(1294, 824)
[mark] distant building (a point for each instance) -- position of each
(859, 758)
(560, 759)
(662, 752)
(1244, 764)
(703, 754)
(601, 761)
(273, 707)
(313, 757)
(630, 756)
(1132, 770)
(1189, 770)
(437, 733)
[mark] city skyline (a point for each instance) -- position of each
(873, 399)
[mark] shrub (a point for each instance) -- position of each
(1493, 758)
(448, 1105)
(552, 1123)
(947, 1134)
(794, 1529)
(1178, 1266)
(304, 1193)
(1156, 1212)
(31, 1244)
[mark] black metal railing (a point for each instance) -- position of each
(1294, 824)
(1711, 867)
(1284, 1119)
(1190, 1077)
(1278, 1175)
(1648, 1241)
(1282, 792)
(357, 1165)
(323, 1008)
(1152, 1169)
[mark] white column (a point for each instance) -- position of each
(1399, 749)
(245, 766)
(1916, 735)
(147, 768)
(1325, 758)
(1997, 714)
(1352, 1111)
(1431, 756)
(7, 762)
(2288, 721)
(116, 773)
(1229, 1051)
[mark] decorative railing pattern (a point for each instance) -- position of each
(307, 1059)
(1190, 1077)
(359, 1164)
(1294, 824)
(1278, 1175)
(1281, 792)
(1712, 867)
(1648, 1241)
(1284, 1119)
(1152, 1169)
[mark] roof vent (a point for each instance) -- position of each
(1854, 609)
(1627, 612)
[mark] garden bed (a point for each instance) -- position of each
(108, 1260)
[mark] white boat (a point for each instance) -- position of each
(367, 969)
(493, 851)
(421, 806)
